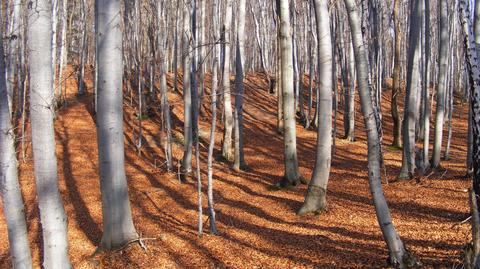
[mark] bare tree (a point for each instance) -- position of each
(227, 149)
(292, 175)
(441, 83)
(52, 212)
(397, 251)
(10, 193)
(118, 228)
(315, 199)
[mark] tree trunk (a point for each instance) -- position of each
(397, 126)
(227, 149)
(426, 89)
(441, 83)
(118, 227)
(211, 146)
(13, 208)
(187, 95)
(315, 199)
(412, 90)
(395, 245)
(292, 175)
(239, 158)
(52, 212)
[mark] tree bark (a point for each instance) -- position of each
(227, 149)
(292, 175)
(52, 212)
(239, 157)
(118, 228)
(315, 199)
(441, 83)
(395, 245)
(10, 192)
(397, 126)
(412, 90)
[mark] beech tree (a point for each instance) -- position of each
(315, 200)
(10, 193)
(52, 212)
(118, 229)
(292, 174)
(397, 252)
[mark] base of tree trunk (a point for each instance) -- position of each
(404, 176)
(349, 138)
(409, 261)
(315, 201)
(186, 176)
(286, 183)
(242, 168)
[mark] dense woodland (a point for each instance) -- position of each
(212, 133)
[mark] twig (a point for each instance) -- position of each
(462, 222)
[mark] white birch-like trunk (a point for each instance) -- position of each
(441, 84)
(292, 174)
(227, 148)
(395, 245)
(52, 212)
(239, 158)
(118, 228)
(10, 193)
(315, 199)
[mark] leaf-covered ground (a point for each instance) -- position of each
(258, 227)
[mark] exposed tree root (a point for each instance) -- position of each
(315, 201)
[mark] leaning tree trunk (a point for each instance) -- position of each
(227, 99)
(292, 175)
(397, 70)
(52, 212)
(10, 193)
(474, 78)
(395, 245)
(315, 200)
(118, 228)
(441, 83)
(239, 157)
(412, 90)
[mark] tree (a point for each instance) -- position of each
(118, 228)
(292, 175)
(397, 251)
(412, 91)
(397, 127)
(227, 103)
(441, 83)
(52, 213)
(239, 158)
(9, 187)
(187, 95)
(315, 199)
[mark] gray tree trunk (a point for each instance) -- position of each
(395, 245)
(412, 90)
(162, 49)
(315, 199)
(474, 79)
(187, 94)
(426, 89)
(292, 175)
(227, 148)
(239, 157)
(52, 212)
(118, 228)
(10, 193)
(397, 69)
(441, 83)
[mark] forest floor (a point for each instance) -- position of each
(258, 227)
